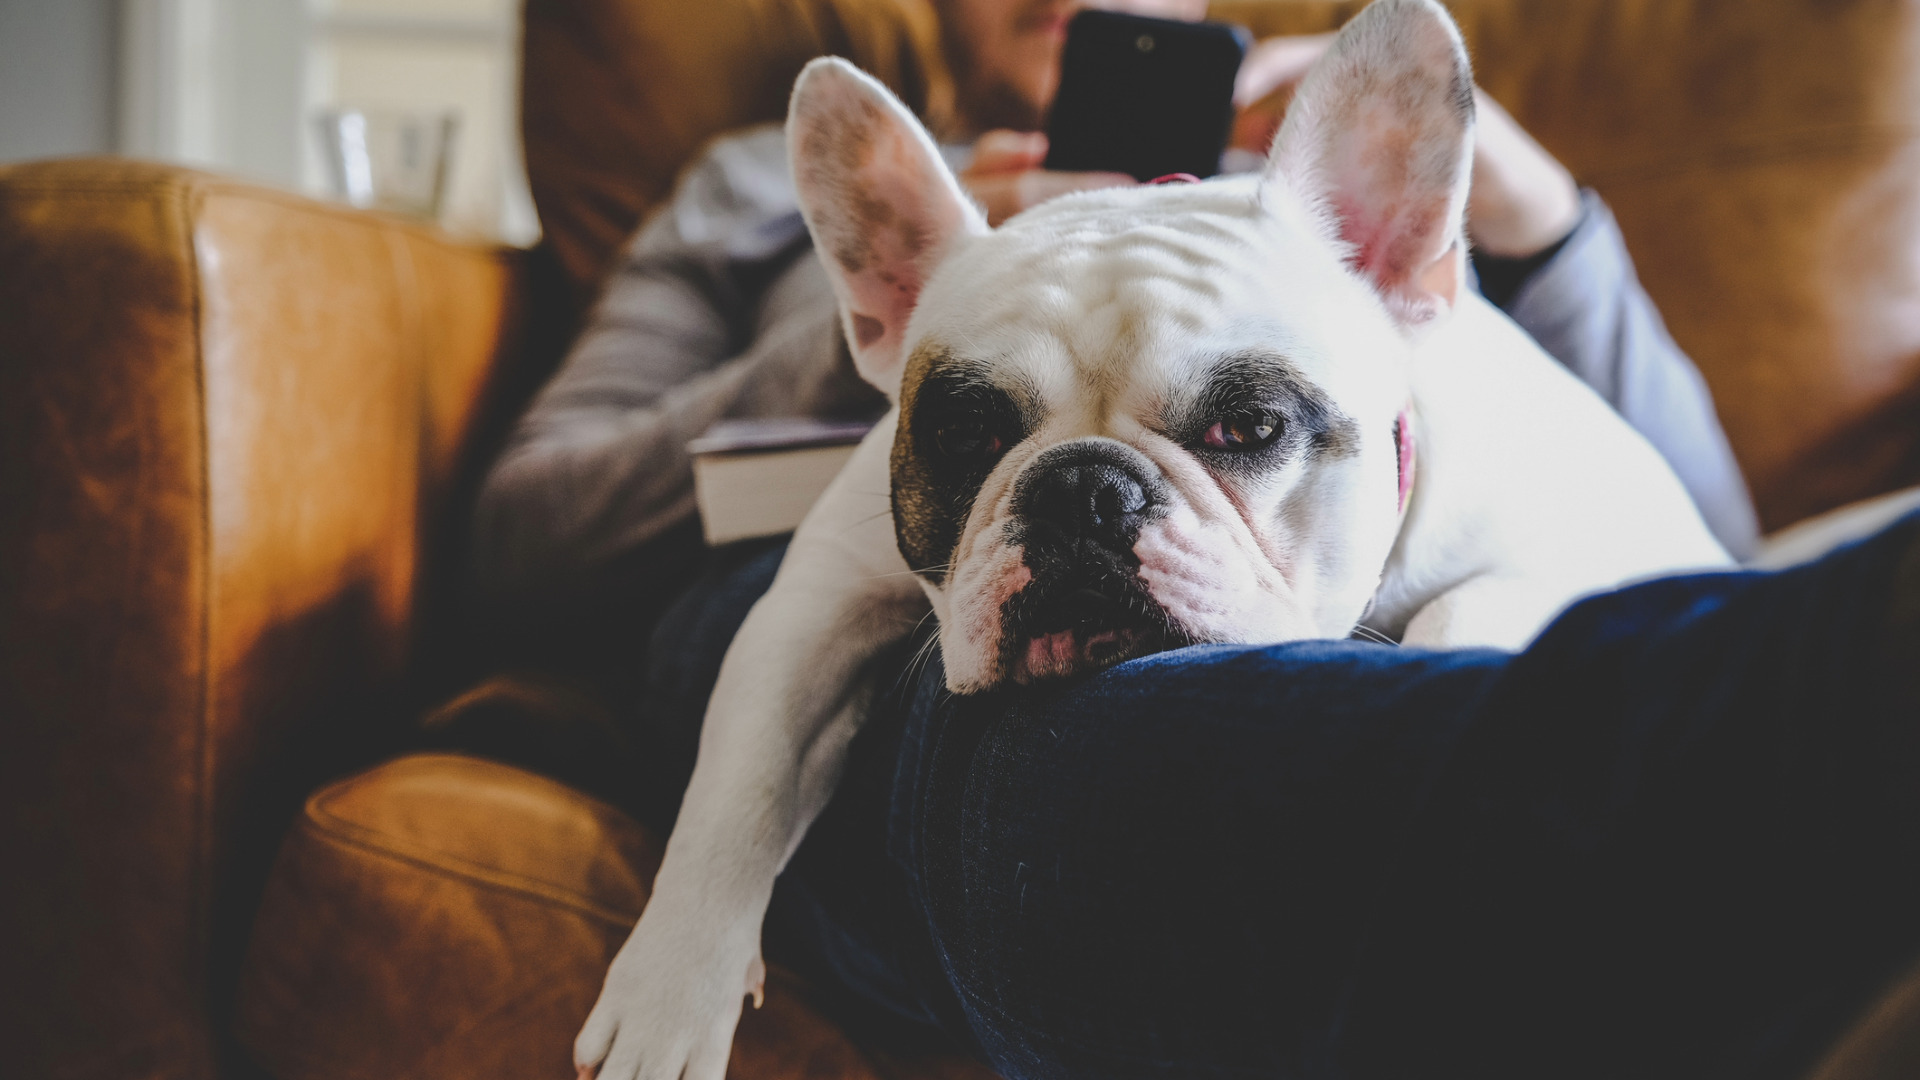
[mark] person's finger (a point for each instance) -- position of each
(1522, 199)
(1038, 185)
(1275, 64)
(1003, 195)
(1183, 10)
(1254, 129)
(995, 194)
(1002, 150)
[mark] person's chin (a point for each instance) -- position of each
(1050, 29)
(1018, 103)
(1183, 10)
(1049, 18)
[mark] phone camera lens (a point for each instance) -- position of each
(1144, 43)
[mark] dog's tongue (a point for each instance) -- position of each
(1051, 654)
(1064, 652)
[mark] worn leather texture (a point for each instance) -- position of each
(446, 917)
(228, 420)
(439, 916)
(618, 95)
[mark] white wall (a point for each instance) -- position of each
(57, 87)
(435, 55)
(216, 84)
(233, 86)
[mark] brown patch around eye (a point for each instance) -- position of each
(867, 330)
(926, 519)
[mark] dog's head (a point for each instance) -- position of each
(1160, 415)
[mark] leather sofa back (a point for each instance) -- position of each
(227, 421)
(617, 95)
(1763, 159)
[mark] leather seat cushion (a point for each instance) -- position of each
(446, 916)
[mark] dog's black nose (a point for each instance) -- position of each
(1101, 493)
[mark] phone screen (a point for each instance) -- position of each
(1146, 97)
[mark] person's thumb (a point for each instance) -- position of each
(1040, 185)
(1002, 150)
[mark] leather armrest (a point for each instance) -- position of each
(228, 420)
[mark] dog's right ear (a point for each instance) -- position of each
(883, 207)
(1379, 144)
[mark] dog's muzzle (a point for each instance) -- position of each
(1087, 499)
(1080, 508)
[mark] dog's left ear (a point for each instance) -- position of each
(883, 207)
(1379, 143)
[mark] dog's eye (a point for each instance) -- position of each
(968, 437)
(1242, 431)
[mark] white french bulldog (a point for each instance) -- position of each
(1250, 410)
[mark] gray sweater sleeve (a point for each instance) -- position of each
(717, 309)
(1585, 306)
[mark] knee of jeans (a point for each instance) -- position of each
(1165, 863)
(1044, 919)
(692, 637)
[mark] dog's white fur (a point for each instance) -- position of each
(1346, 260)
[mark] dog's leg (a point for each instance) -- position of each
(791, 695)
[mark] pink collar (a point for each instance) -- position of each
(1403, 444)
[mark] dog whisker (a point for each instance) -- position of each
(940, 569)
(852, 525)
(1368, 633)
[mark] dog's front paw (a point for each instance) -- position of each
(670, 1002)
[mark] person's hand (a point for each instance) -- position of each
(1276, 63)
(1522, 202)
(1006, 177)
(1268, 77)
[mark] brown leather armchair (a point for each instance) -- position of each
(238, 430)
(230, 424)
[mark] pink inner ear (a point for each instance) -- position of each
(1380, 135)
(1396, 236)
(1367, 234)
(880, 203)
(1392, 214)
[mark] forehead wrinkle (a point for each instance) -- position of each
(1080, 292)
(1237, 196)
(1149, 298)
(1139, 256)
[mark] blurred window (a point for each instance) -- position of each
(236, 86)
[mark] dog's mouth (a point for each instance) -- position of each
(1061, 627)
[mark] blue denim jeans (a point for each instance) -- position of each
(1678, 836)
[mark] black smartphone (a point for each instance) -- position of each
(1147, 97)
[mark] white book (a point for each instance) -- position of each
(754, 478)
